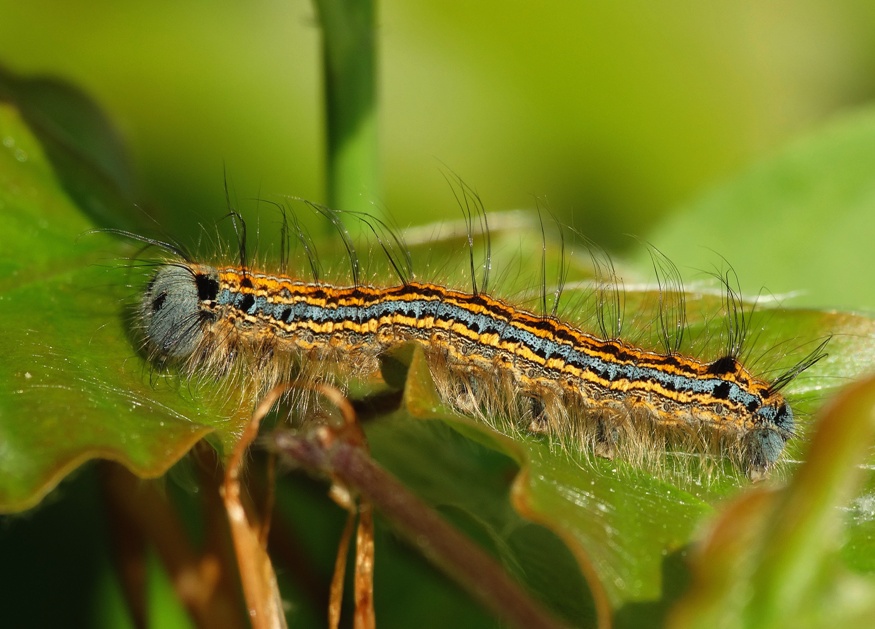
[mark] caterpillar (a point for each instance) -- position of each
(489, 358)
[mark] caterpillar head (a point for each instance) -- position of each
(172, 310)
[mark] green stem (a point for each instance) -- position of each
(349, 57)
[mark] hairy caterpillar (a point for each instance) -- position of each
(488, 357)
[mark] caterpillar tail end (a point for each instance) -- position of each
(764, 448)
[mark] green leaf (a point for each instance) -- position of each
(74, 387)
(798, 223)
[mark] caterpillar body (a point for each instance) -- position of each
(488, 358)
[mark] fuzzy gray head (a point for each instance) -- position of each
(172, 312)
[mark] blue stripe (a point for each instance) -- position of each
(484, 324)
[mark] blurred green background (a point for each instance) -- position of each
(612, 113)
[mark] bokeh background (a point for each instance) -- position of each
(612, 115)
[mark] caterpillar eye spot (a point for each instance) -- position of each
(158, 302)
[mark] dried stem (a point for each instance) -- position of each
(330, 453)
(263, 601)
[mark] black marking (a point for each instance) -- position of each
(723, 366)
(158, 302)
(207, 287)
(721, 391)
